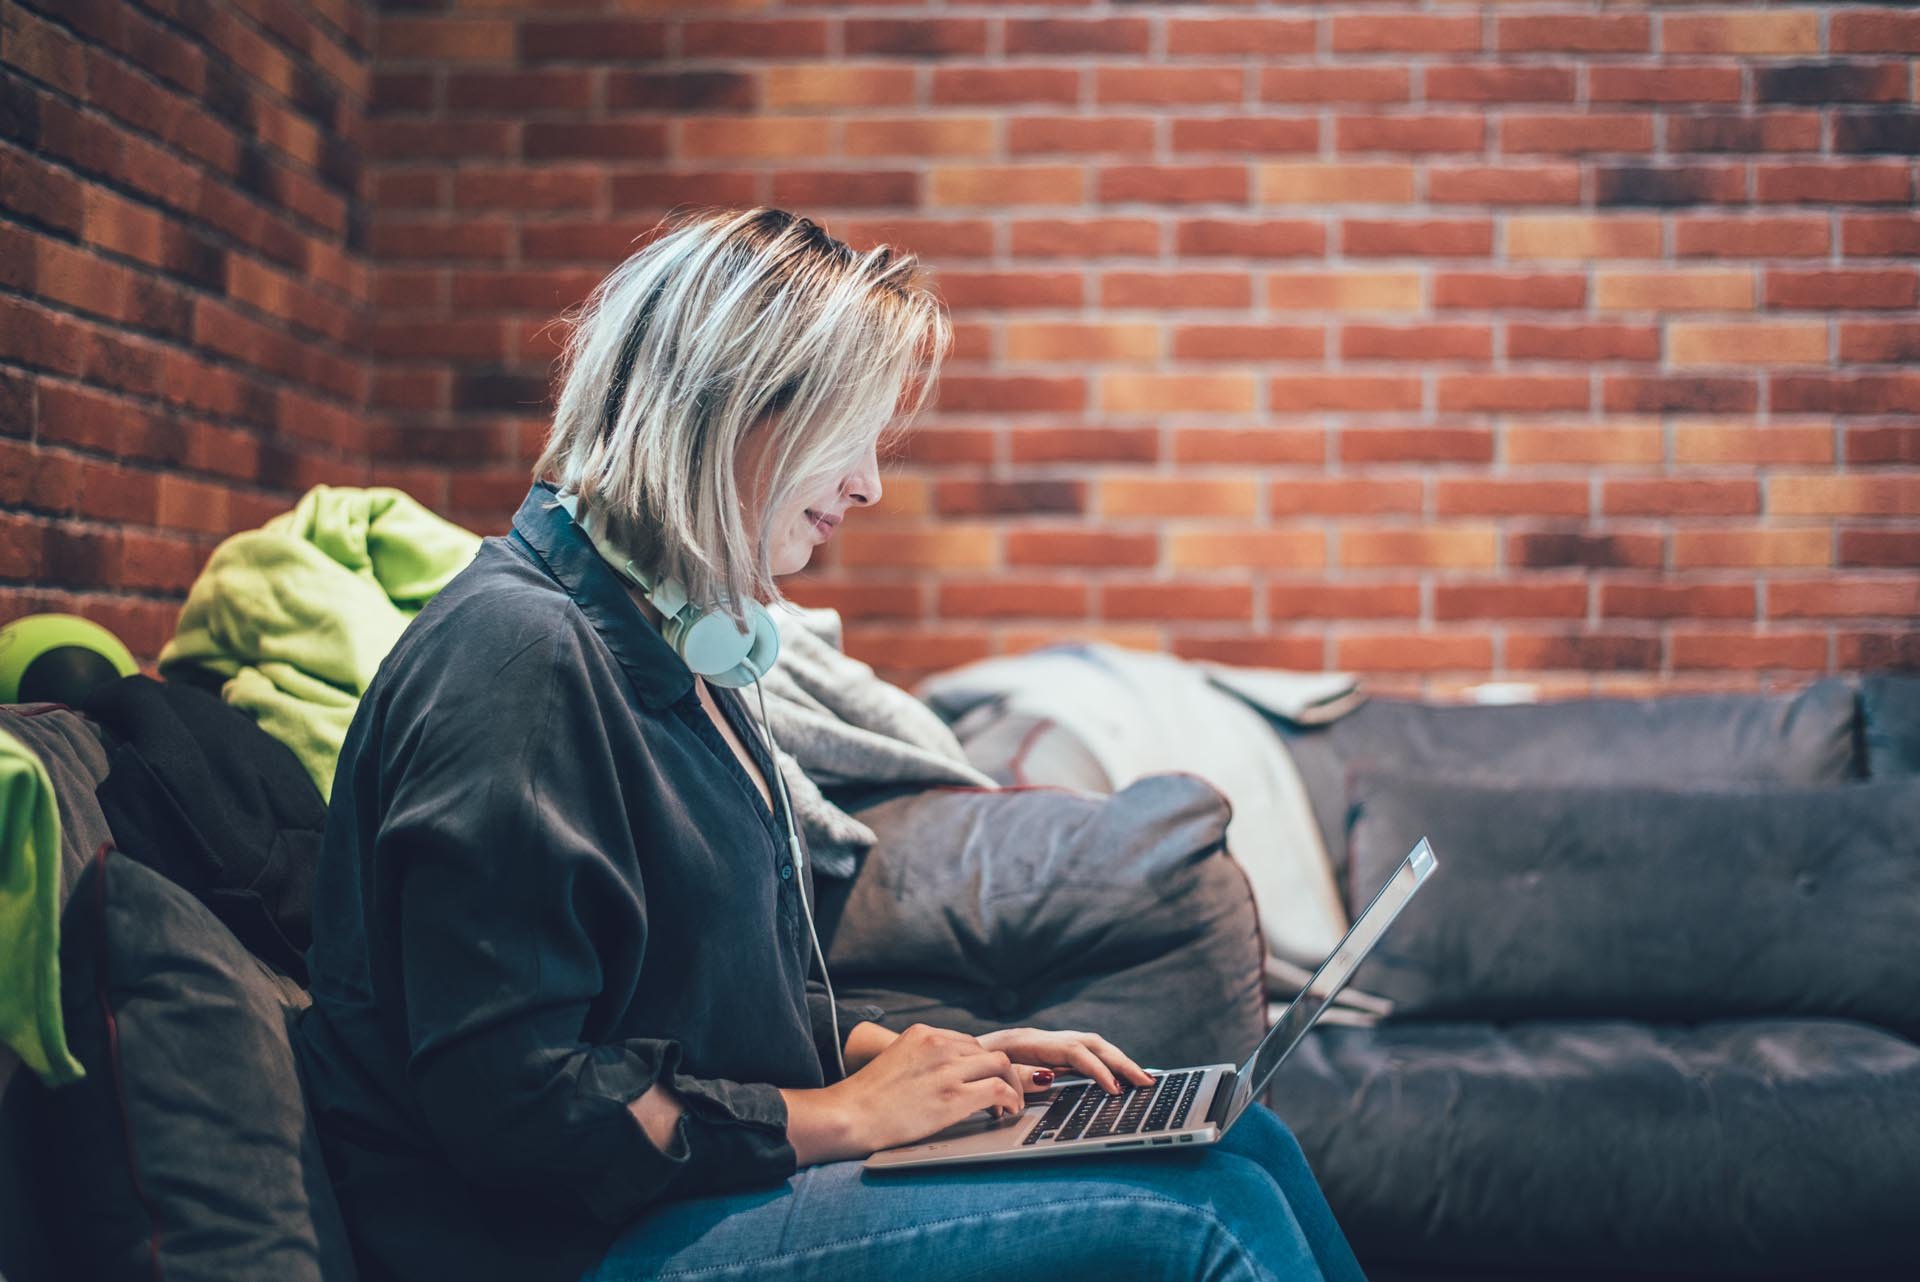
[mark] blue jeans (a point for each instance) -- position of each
(1244, 1210)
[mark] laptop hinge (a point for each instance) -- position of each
(1223, 1097)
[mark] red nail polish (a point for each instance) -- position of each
(1044, 1076)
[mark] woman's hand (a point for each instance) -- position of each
(1040, 1050)
(922, 1081)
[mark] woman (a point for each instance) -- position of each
(562, 1024)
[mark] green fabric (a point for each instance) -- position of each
(298, 614)
(30, 916)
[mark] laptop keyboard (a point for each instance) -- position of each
(1085, 1111)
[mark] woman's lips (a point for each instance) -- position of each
(823, 526)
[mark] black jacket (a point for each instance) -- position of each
(546, 882)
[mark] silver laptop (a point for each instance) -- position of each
(1180, 1106)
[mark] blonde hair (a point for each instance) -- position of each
(728, 322)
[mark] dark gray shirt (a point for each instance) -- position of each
(546, 883)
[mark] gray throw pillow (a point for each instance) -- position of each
(186, 1152)
(1635, 901)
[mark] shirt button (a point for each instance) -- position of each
(786, 872)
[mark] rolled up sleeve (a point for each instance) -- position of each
(511, 860)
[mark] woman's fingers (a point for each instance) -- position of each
(993, 1093)
(1090, 1065)
(991, 1064)
(1115, 1056)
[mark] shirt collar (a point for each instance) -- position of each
(659, 675)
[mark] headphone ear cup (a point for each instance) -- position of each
(763, 648)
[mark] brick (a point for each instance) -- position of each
(1342, 599)
(1250, 238)
(1576, 133)
(445, 40)
(846, 188)
(1677, 497)
(1416, 342)
(1016, 598)
(1416, 445)
(1691, 289)
(864, 600)
(1404, 33)
(1058, 37)
(1879, 342)
(920, 136)
(1410, 133)
(904, 655)
(1507, 496)
(1249, 342)
(1764, 236)
(1246, 135)
(1546, 340)
(1451, 547)
(1783, 31)
(1004, 86)
(1621, 441)
(1874, 443)
(1621, 599)
(1315, 183)
(1495, 599)
(1747, 343)
(993, 185)
(1237, 36)
(1509, 291)
(1832, 183)
(1896, 131)
(971, 496)
(1074, 547)
(1083, 444)
(1831, 82)
(1081, 341)
(1824, 494)
(1847, 598)
(1468, 83)
(1680, 394)
(971, 290)
(1573, 237)
(1169, 86)
(1172, 184)
(754, 38)
(1880, 547)
(1586, 548)
(919, 37)
(1871, 650)
(1351, 291)
(1352, 83)
(1844, 394)
(1504, 185)
(1884, 287)
(1167, 496)
(1343, 496)
(1413, 651)
(1299, 393)
(1504, 392)
(1749, 445)
(1753, 547)
(1582, 651)
(955, 545)
(785, 87)
(935, 445)
(1749, 650)
(1177, 393)
(1174, 602)
(1085, 237)
(1257, 549)
(998, 393)
(1738, 132)
(1874, 31)
(1436, 238)
(1080, 135)
(1249, 445)
(1573, 33)
(1299, 652)
(750, 138)
(1615, 185)
(1663, 82)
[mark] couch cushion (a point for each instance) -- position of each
(1807, 737)
(1732, 1147)
(1890, 725)
(1049, 907)
(1645, 902)
(186, 1152)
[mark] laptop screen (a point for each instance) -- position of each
(1330, 978)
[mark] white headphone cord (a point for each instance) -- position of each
(800, 872)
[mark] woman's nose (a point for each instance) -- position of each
(863, 486)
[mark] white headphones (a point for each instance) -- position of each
(714, 647)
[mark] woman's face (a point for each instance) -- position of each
(811, 520)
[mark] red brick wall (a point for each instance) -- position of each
(1553, 342)
(182, 289)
